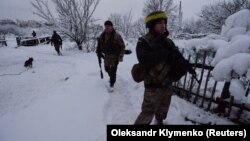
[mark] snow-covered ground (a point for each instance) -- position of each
(63, 98)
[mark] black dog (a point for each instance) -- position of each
(127, 51)
(28, 63)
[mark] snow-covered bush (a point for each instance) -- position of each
(233, 61)
(226, 69)
(235, 32)
(232, 46)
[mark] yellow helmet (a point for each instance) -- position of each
(153, 17)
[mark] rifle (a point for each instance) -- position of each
(184, 63)
(100, 56)
(192, 71)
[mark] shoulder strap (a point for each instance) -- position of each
(144, 39)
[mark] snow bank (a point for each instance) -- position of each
(236, 31)
(236, 24)
(239, 63)
(235, 55)
(240, 45)
(207, 43)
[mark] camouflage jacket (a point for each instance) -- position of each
(56, 39)
(111, 44)
(154, 53)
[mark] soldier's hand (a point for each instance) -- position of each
(192, 71)
(168, 81)
(121, 58)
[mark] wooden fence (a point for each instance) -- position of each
(207, 95)
(32, 41)
(3, 41)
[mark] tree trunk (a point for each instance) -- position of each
(79, 45)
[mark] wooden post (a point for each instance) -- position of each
(240, 112)
(192, 79)
(247, 90)
(205, 89)
(185, 79)
(225, 94)
(207, 79)
(230, 106)
(177, 83)
(212, 96)
(201, 77)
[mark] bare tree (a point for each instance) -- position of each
(74, 17)
(235, 5)
(123, 23)
(214, 16)
(116, 20)
(192, 26)
(95, 30)
(127, 24)
(159, 5)
(168, 7)
(140, 27)
(43, 10)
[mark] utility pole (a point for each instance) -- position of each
(180, 16)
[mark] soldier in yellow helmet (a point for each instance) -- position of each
(153, 53)
(161, 64)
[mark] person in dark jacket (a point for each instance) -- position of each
(112, 46)
(154, 54)
(34, 34)
(56, 40)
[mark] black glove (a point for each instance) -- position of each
(168, 81)
(192, 71)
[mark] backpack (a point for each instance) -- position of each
(178, 68)
(138, 72)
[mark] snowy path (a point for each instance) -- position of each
(42, 105)
(63, 98)
(119, 107)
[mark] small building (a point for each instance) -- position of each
(31, 41)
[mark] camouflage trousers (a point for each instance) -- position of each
(110, 64)
(156, 103)
(57, 48)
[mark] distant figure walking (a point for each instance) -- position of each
(18, 41)
(34, 34)
(56, 40)
(111, 47)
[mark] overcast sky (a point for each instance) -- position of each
(22, 9)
